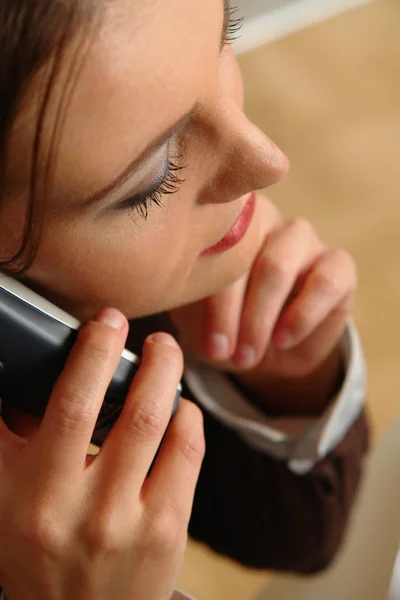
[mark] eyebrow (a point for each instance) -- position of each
(164, 137)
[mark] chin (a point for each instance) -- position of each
(220, 271)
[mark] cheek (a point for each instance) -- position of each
(136, 267)
(231, 77)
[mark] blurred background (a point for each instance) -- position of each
(323, 81)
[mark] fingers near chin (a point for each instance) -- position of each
(328, 293)
(220, 322)
(287, 252)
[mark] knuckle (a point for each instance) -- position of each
(43, 534)
(347, 263)
(147, 422)
(274, 268)
(167, 534)
(301, 225)
(342, 255)
(327, 284)
(72, 411)
(103, 535)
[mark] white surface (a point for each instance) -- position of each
(364, 568)
(268, 20)
(395, 588)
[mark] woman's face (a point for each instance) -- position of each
(157, 88)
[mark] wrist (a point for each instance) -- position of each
(297, 396)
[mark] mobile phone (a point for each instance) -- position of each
(36, 338)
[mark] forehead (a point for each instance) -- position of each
(150, 62)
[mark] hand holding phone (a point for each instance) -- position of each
(70, 522)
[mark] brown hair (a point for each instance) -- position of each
(34, 38)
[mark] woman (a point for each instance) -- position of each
(128, 170)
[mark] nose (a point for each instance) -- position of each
(245, 158)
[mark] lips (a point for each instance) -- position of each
(237, 231)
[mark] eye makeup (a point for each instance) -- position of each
(169, 182)
(166, 184)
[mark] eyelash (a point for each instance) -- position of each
(170, 185)
(172, 182)
(235, 25)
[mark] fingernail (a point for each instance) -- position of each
(112, 318)
(219, 346)
(245, 357)
(284, 340)
(162, 338)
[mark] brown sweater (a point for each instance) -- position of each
(251, 507)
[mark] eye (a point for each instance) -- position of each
(170, 184)
(234, 26)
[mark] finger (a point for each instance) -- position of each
(286, 254)
(209, 328)
(129, 450)
(309, 355)
(222, 316)
(331, 280)
(221, 320)
(172, 483)
(67, 428)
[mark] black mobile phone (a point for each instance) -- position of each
(36, 338)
